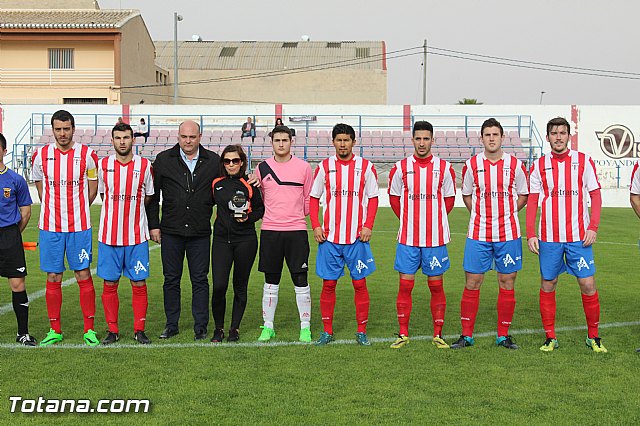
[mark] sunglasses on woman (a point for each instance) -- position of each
(228, 161)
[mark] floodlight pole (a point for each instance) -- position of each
(176, 19)
(424, 76)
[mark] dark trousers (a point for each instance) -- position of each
(241, 255)
(173, 249)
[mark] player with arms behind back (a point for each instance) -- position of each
(422, 193)
(348, 185)
(560, 182)
(494, 189)
(125, 184)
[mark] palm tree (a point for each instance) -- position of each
(469, 101)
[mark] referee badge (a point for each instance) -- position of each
(7, 192)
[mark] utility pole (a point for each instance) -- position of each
(176, 18)
(424, 76)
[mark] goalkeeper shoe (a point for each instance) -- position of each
(400, 341)
(439, 342)
(463, 342)
(596, 345)
(91, 339)
(506, 342)
(51, 338)
(267, 334)
(305, 335)
(549, 345)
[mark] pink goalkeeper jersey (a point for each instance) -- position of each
(564, 186)
(422, 190)
(285, 190)
(494, 190)
(344, 187)
(123, 220)
(65, 191)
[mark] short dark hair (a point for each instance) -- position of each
(62, 115)
(3, 141)
(122, 127)
(243, 157)
(281, 129)
(491, 122)
(422, 125)
(558, 121)
(343, 129)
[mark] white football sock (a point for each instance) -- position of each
(303, 300)
(269, 303)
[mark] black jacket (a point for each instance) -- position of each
(226, 228)
(187, 201)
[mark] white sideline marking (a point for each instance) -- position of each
(38, 294)
(526, 331)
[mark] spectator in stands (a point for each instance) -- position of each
(142, 130)
(249, 129)
(120, 121)
(279, 122)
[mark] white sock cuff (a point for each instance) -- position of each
(303, 290)
(271, 289)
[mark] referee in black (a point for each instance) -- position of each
(15, 211)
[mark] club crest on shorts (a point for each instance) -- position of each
(582, 263)
(508, 260)
(139, 267)
(83, 255)
(434, 262)
(360, 266)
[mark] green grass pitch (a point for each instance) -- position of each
(342, 383)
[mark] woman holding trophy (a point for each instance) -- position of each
(235, 242)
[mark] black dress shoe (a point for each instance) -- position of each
(234, 335)
(141, 338)
(218, 335)
(200, 335)
(169, 332)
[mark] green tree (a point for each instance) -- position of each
(469, 101)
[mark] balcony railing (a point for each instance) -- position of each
(47, 77)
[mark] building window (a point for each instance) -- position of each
(362, 52)
(228, 52)
(60, 59)
(334, 45)
(101, 101)
(289, 44)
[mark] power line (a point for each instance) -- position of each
(271, 73)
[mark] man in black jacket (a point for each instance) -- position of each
(183, 175)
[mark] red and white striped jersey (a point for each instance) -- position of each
(65, 190)
(564, 186)
(123, 220)
(635, 179)
(344, 189)
(494, 190)
(422, 189)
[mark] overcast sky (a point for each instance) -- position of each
(589, 34)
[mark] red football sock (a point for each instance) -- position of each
(361, 299)
(328, 303)
(591, 305)
(53, 295)
(139, 302)
(403, 305)
(87, 302)
(548, 313)
(506, 307)
(468, 310)
(111, 305)
(438, 306)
